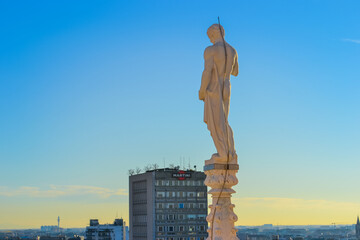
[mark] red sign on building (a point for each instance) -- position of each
(181, 175)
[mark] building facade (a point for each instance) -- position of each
(115, 231)
(357, 228)
(168, 204)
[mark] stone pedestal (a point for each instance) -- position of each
(220, 178)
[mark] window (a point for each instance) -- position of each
(171, 228)
(170, 205)
(191, 216)
(200, 194)
(181, 228)
(191, 228)
(181, 205)
(202, 228)
(201, 216)
(191, 205)
(191, 194)
(160, 194)
(171, 217)
(181, 216)
(160, 228)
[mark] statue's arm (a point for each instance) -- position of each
(235, 70)
(206, 75)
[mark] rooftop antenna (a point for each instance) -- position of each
(58, 223)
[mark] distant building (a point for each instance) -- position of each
(298, 238)
(275, 237)
(52, 238)
(258, 237)
(115, 231)
(75, 237)
(357, 228)
(267, 226)
(127, 232)
(50, 228)
(168, 204)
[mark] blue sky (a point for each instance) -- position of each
(90, 89)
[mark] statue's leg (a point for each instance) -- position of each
(230, 136)
(217, 126)
(232, 152)
(226, 98)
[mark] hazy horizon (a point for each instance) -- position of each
(90, 89)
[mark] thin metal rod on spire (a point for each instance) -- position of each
(228, 157)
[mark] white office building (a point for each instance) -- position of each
(115, 231)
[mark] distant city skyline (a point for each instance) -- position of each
(91, 89)
(265, 232)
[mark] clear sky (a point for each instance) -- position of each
(90, 89)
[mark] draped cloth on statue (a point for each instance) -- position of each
(216, 111)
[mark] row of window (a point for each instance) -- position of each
(180, 205)
(140, 218)
(139, 185)
(181, 228)
(179, 183)
(181, 238)
(139, 196)
(163, 217)
(162, 194)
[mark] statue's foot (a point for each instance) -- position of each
(216, 158)
(233, 158)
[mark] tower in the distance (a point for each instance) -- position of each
(58, 223)
(357, 228)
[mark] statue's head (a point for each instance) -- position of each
(213, 32)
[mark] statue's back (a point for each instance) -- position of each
(219, 59)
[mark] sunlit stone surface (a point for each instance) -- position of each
(215, 92)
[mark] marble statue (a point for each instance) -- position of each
(215, 92)
(221, 169)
